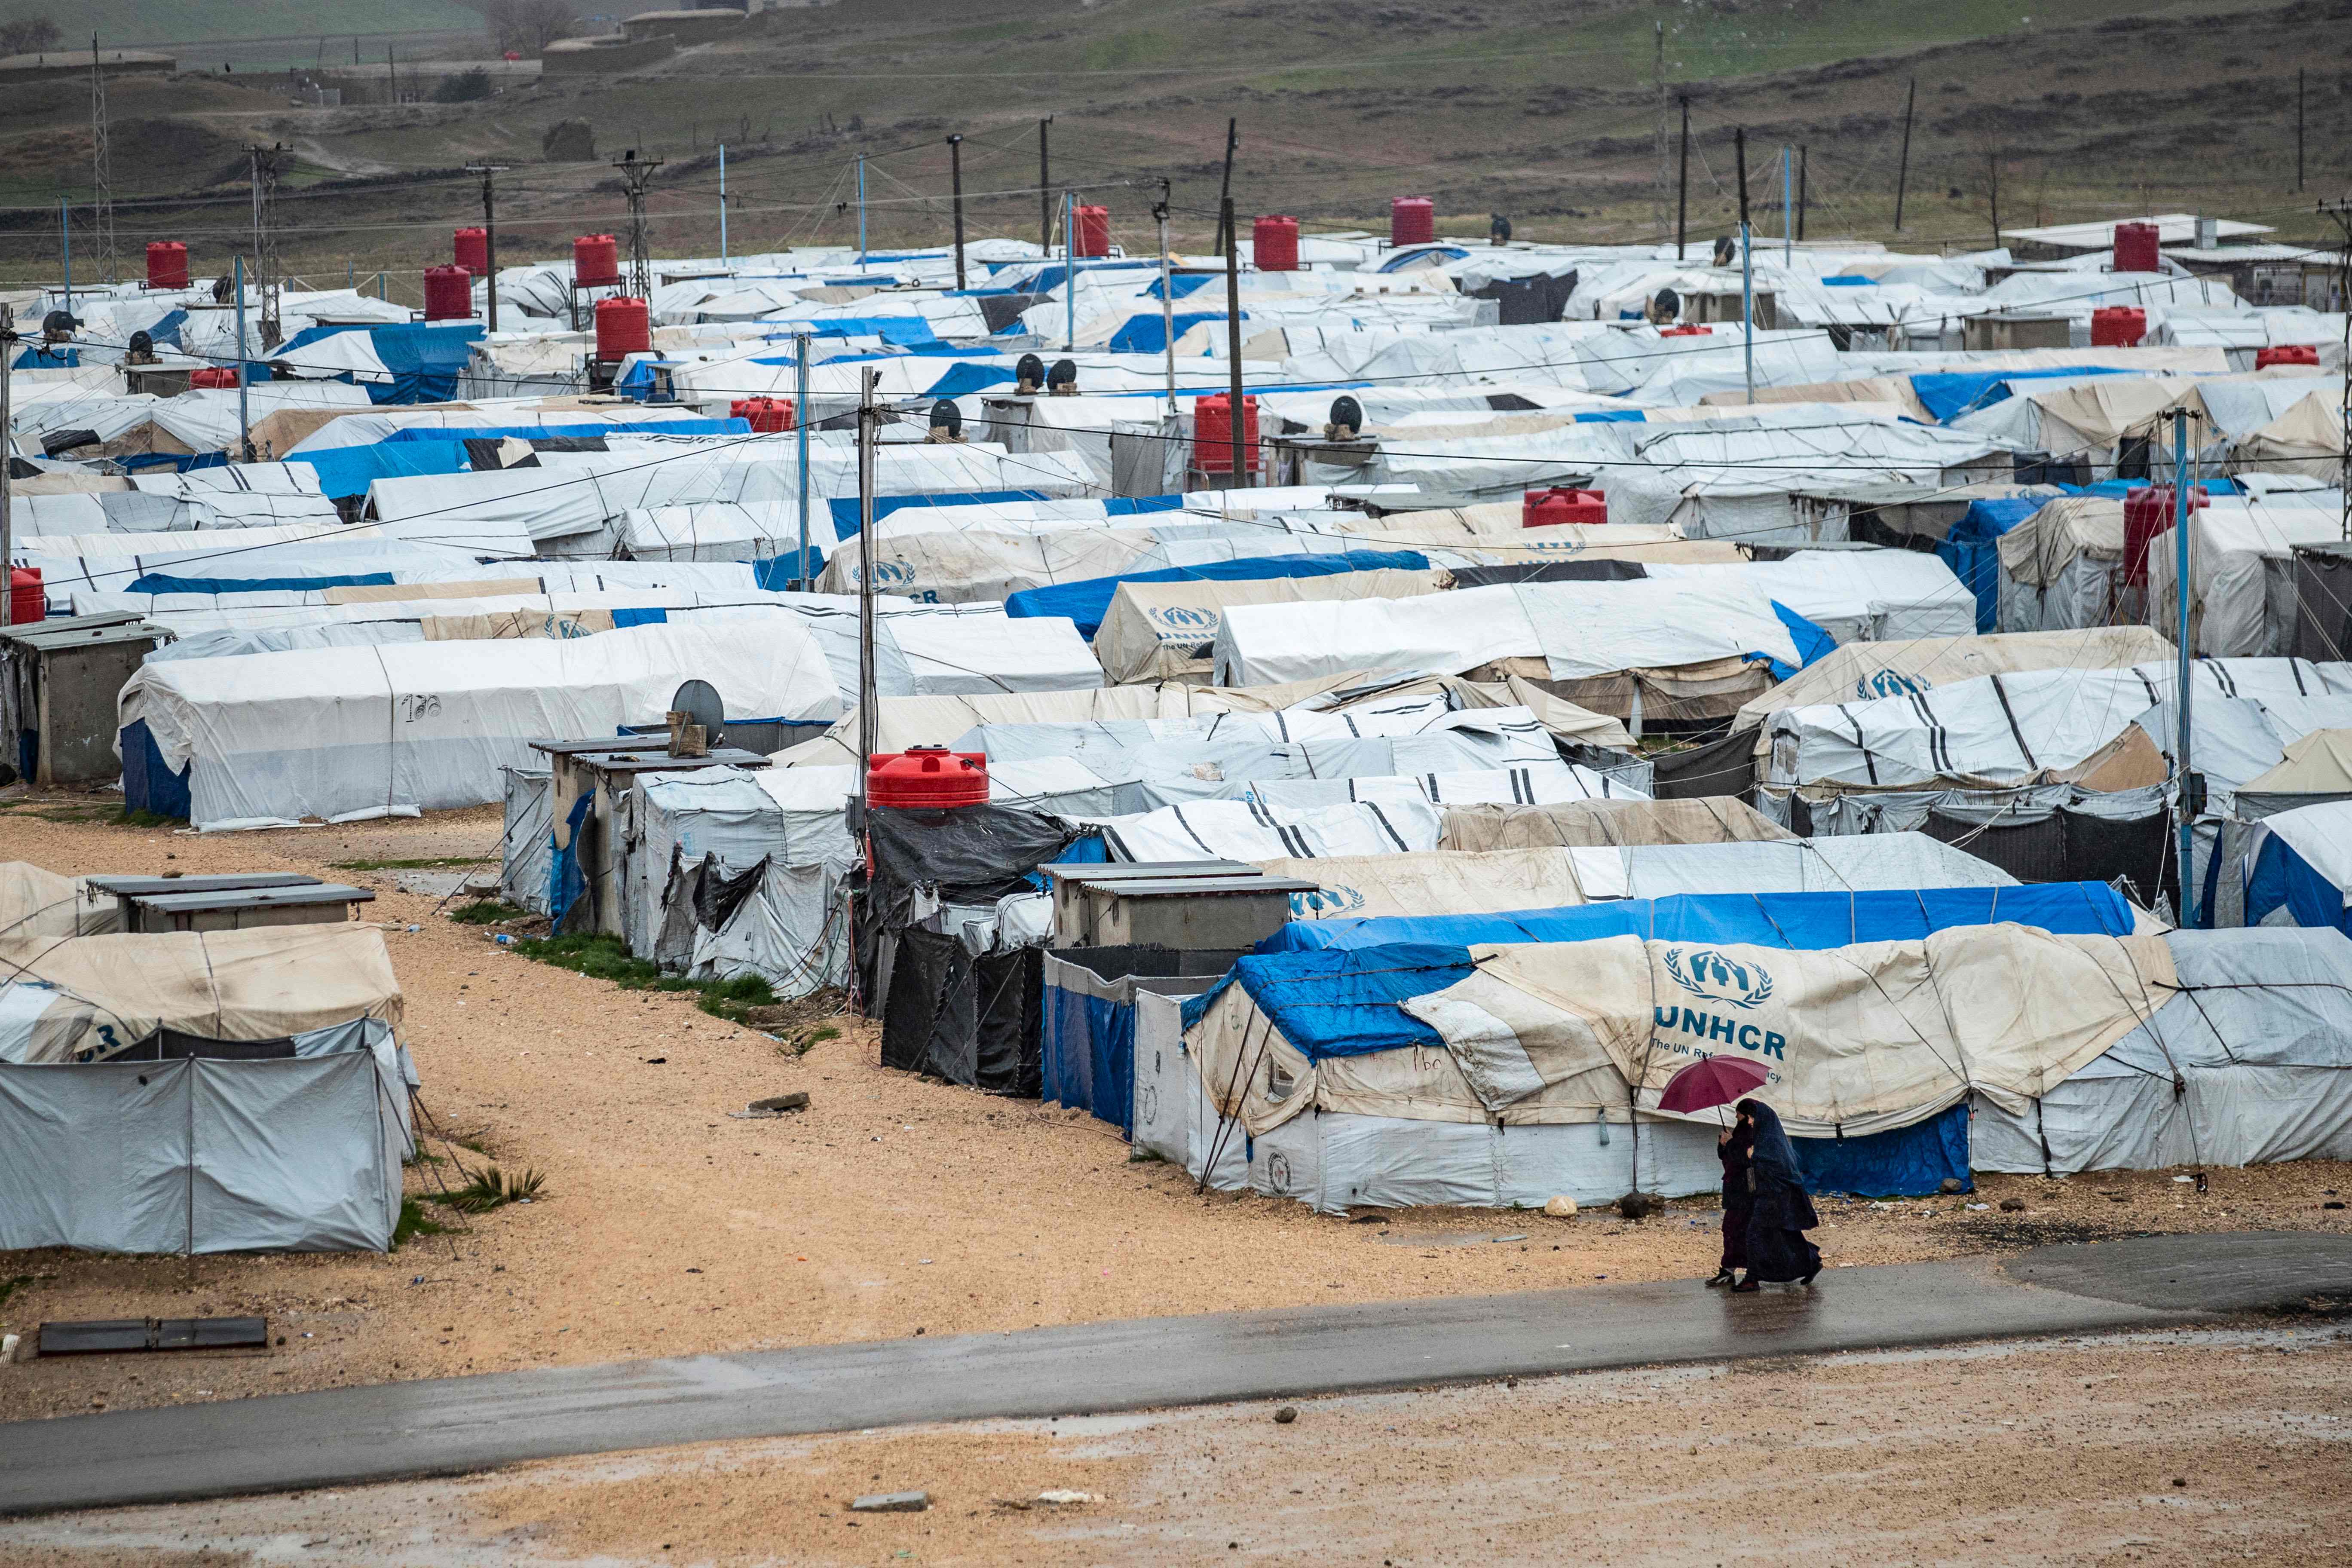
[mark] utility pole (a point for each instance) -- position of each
(1241, 476)
(635, 175)
(1804, 167)
(1045, 191)
(1992, 185)
(2299, 128)
(1069, 272)
(869, 716)
(1787, 209)
(861, 211)
(1658, 140)
(65, 244)
(244, 369)
(801, 425)
(955, 177)
(1166, 296)
(1226, 191)
(1682, 189)
(2185, 805)
(266, 280)
(7, 460)
(2341, 211)
(101, 167)
(722, 204)
(489, 234)
(1903, 174)
(1746, 266)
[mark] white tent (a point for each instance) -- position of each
(269, 739)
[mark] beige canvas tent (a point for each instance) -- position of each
(1163, 631)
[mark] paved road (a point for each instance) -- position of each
(456, 1425)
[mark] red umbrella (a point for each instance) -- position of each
(1711, 1081)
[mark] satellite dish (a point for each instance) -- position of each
(1029, 372)
(698, 701)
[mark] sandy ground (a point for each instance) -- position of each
(891, 1206)
(2195, 1447)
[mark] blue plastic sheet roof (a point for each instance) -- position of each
(847, 521)
(1972, 549)
(349, 470)
(1087, 600)
(1145, 333)
(1794, 921)
(1948, 393)
(1342, 1002)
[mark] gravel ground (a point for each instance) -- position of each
(891, 1206)
(2195, 1447)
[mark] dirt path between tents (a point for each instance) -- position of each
(2197, 1447)
(891, 1207)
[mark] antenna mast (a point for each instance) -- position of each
(101, 167)
(267, 279)
(635, 175)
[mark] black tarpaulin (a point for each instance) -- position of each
(1549, 572)
(971, 854)
(971, 1020)
(1726, 766)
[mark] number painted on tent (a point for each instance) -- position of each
(416, 705)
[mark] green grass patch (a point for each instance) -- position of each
(493, 1188)
(802, 1045)
(607, 957)
(488, 911)
(413, 1222)
(10, 1286)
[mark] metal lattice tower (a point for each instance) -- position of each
(635, 175)
(1658, 147)
(268, 279)
(101, 169)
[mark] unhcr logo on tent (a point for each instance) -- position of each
(1182, 618)
(1735, 983)
(1325, 903)
(1886, 683)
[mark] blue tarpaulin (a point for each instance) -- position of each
(846, 522)
(349, 470)
(1796, 921)
(2282, 878)
(423, 358)
(966, 377)
(1813, 644)
(1972, 549)
(1948, 393)
(1087, 600)
(1909, 1162)
(907, 330)
(1342, 1002)
(159, 583)
(562, 432)
(1145, 333)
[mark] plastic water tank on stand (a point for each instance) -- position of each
(472, 249)
(2138, 247)
(27, 603)
(449, 293)
(624, 327)
(1275, 243)
(167, 264)
(766, 415)
(1212, 433)
(1412, 220)
(2118, 326)
(2147, 512)
(2287, 353)
(1687, 330)
(927, 777)
(213, 375)
(1559, 505)
(596, 261)
(1094, 231)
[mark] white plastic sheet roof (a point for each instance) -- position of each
(1245, 830)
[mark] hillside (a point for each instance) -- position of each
(1543, 109)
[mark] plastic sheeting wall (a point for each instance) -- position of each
(196, 1155)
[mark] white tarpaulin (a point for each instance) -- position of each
(345, 733)
(1245, 830)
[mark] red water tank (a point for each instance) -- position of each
(1275, 244)
(927, 776)
(2147, 512)
(1550, 508)
(766, 415)
(25, 601)
(473, 250)
(595, 261)
(1685, 330)
(167, 264)
(1212, 433)
(449, 293)
(1094, 231)
(2117, 327)
(213, 376)
(622, 328)
(2137, 248)
(2287, 353)
(1412, 220)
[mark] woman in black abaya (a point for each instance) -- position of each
(1778, 1211)
(1732, 1147)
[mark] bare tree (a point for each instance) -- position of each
(29, 36)
(529, 26)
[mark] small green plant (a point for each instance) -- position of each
(802, 1045)
(730, 999)
(486, 912)
(493, 1188)
(465, 87)
(412, 1223)
(10, 1286)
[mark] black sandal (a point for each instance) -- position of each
(1747, 1286)
(1722, 1277)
